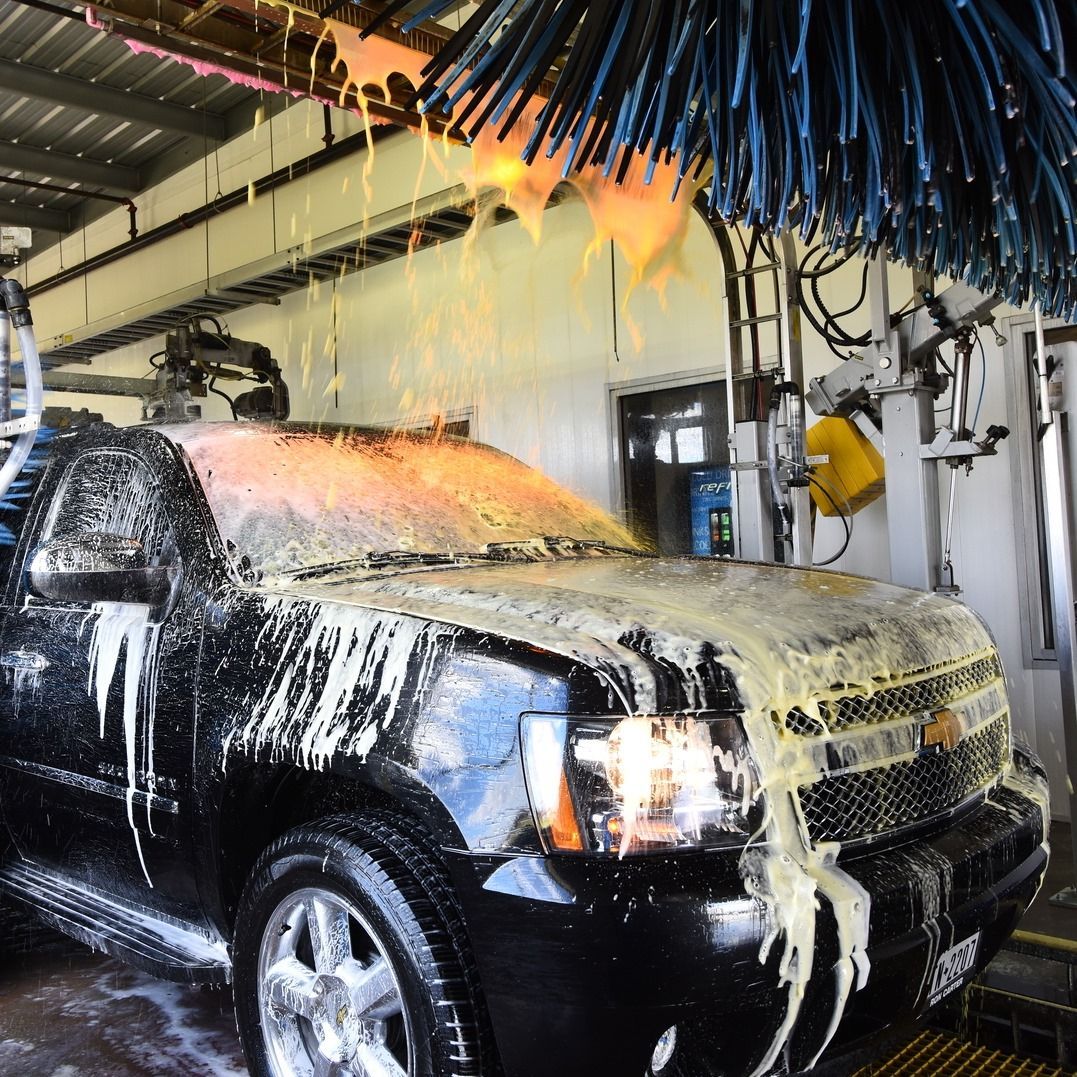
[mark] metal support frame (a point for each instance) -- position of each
(47, 220)
(98, 384)
(914, 526)
(115, 199)
(751, 491)
(733, 360)
(912, 483)
(1057, 489)
(793, 362)
(753, 512)
(896, 372)
(95, 97)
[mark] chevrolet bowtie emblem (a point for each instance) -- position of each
(939, 731)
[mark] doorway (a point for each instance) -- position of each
(675, 466)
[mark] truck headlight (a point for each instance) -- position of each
(643, 784)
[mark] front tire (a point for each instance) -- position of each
(344, 962)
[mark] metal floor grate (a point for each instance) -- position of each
(933, 1054)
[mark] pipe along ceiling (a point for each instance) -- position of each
(945, 133)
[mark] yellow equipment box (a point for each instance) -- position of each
(855, 471)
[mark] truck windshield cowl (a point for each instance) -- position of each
(291, 500)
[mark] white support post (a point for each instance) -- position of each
(1060, 536)
(793, 362)
(908, 419)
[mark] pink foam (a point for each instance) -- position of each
(206, 68)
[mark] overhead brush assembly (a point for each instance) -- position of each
(944, 133)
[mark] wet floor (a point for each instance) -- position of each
(68, 1012)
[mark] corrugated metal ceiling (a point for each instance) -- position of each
(53, 43)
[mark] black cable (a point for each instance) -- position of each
(820, 272)
(830, 329)
(844, 523)
(231, 402)
(157, 366)
(843, 338)
(838, 337)
(859, 299)
(806, 310)
(983, 379)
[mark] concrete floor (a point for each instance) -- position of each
(1046, 919)
(68, 1012)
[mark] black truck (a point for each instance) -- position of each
(447, 776)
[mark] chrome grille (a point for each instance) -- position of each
(850, 806)
(916, 694)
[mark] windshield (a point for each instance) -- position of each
(292, 499)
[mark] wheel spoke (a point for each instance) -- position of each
(289, 1040)
(374, 992)
(290, 988)
(376, 1060)
(330, 933)
(324, 1068)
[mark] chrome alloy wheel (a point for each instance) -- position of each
(329, 1000)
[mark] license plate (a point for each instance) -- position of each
(952, 968)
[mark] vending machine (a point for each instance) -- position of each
(711, 502)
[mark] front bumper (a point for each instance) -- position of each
(585, 963)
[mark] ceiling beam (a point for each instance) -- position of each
(48, 220)
(19, 158)
(106, 100)
(234, 46)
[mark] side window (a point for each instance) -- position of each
(14, 508)
(118, 494)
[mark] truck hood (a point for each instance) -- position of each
(642, 623)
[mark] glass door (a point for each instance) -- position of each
(676, 468)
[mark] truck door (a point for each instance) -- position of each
(99, 718)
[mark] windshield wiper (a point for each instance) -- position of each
(550, 547)
(546, 548)
(377, 560)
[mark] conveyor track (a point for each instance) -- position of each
(935, 1054)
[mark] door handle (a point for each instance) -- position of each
(28, 660)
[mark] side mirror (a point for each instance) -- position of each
(99, 567)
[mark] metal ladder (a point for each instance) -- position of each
(749, 369)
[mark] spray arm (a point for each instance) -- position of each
(195, 359)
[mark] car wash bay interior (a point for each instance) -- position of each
(358, 256)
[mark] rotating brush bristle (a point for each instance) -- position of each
(945, 132)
